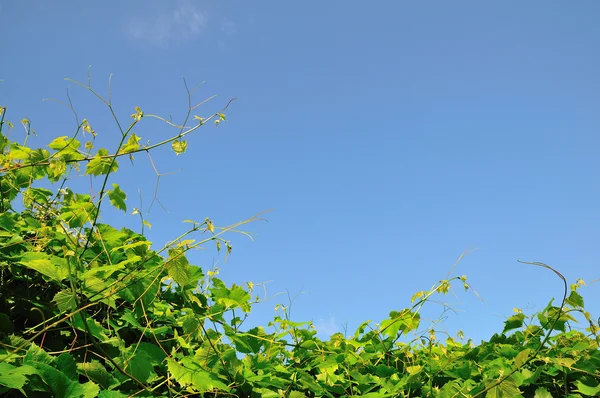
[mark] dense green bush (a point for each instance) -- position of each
(88, 310)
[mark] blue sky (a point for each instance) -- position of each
(387, 140)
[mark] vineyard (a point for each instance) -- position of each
(90, 310)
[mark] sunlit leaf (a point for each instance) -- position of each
(507, 389)
(178, 266)
(417, 295)
(179, 146)
(36, 195)
(101, 164)
(53, 267)
(575, 299)
(403, 321)
(87, 128)
(56, 169)
(444, 287)
(189, 373)
(210, 226)
(64, 143)
(138, 114)
(588, 386)
(97, 373)
(118, 197)
(233, 297)
(65, 301)
(15, 376)
(35, 354)
(78, 213)
(19, 152)
(542, 393)
(513, 322)
(131, 145)
(94, 326)
(522, 357)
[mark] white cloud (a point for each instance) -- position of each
(185, 22)
(326, 327)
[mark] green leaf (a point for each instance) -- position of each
(36, 354)
(64, 143)
(146, 289)
(96, 372)
(95, 327)
(378, 394)
(78, 213)
(131, 145)
(575, 299)
(7, 221)
(255, 339)
(234, 297)
(112, 394)
(56, 169)
(460, 370)
(138, 114)
(62, 386)
(130, 318)
(542, 393)
(39, 155)
(522, 357)
(190, 324)
(19, 152)
(101, 164)
(189, 373)
(178, 266)
(507, 389)
(65, 301)
(588, 386)
(139, 365)
(179, 146)
(266, 393)
(67, 365)
(209, 225)
(513, 322)
(86, 390)
(153, 353)
(36, 195)
(50, 266)
(403, 321)
(13, 376)
(67, 148)
(111, 236)
(117, 198)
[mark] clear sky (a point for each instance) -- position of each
(388, 137)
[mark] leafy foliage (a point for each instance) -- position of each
(89, 310)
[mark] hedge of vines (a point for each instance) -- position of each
(91, 310)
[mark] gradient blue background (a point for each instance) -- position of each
(387, 136)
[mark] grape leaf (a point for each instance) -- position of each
(117, 198)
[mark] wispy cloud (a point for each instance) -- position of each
(184, 22)
(228, 27)
(326, 327)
